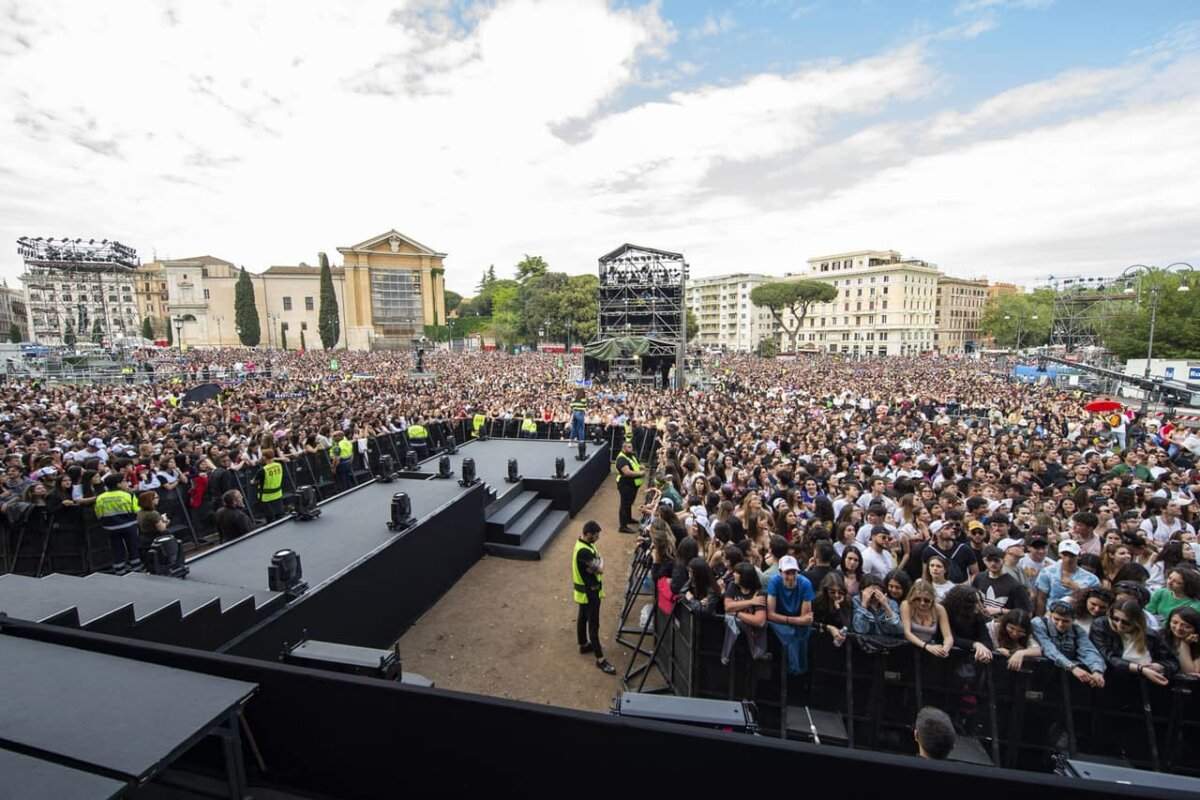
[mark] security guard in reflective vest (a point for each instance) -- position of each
(529, 427)
(270, 486)
(341, 457)
(418, 439)
(477, 422)
(630, 477)
(117, 510)
(587, 574)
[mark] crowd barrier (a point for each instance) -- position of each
(72, 540)
(875, 686)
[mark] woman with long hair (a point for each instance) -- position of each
(925, 622)
(1182, 589)
(1183, 637)
(964, 608)
(1114, 557)
(937, 574)
(851, 570)
(703, 595)
(1012, 633)
(1129, 646)
(832, 613)
(1169, 555)
(1090, 605)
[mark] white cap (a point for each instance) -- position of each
(1004, 544)
(788, 563)
(1068, 546)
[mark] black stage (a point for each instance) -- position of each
(32, 778)
(366, 583)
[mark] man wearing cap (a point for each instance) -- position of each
(1060, 580)
(789, 612)
(1013, 550)
(1001, 592)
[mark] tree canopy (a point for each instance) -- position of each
(1126, 332)
(1027, 317)
(789, 301)
(453, 299)
(246, 311)
(329, 324)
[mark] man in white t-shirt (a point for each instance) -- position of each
(1160, 529)
(877, 559)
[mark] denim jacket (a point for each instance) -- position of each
(881, 622)
(1070, 649)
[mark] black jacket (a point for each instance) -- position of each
(1109, 643)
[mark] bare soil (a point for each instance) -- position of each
(507, 628)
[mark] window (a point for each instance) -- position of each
(206, 294)
(304, 325)
(283, 326)
(287, 304)
(308, 304)
(883, 319)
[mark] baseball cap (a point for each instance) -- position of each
(1069, 546)
(788, 563)
(974, 525)
(1004, 544)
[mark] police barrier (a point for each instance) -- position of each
(875, 686)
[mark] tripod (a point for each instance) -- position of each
(639, 572)
(659, 638)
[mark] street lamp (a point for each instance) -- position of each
(1020, 328)
(178, 321)
(218, 319)
(1137, 273)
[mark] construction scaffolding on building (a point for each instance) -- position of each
(1081, 306)
(86, 283)
(642, 322)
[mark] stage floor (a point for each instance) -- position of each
(535, 461)
(351, 526)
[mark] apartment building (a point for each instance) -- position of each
(886, 305)
(726, 318)
(960, 303)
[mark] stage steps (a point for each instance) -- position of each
(139, 605)
(522, 525)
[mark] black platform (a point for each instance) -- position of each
(31, 778)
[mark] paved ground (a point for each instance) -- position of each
(507, 629)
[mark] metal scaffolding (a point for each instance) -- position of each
(642, 295)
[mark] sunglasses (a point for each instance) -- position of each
(1121, 621)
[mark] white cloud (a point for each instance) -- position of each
(263, 133)
(713, 25)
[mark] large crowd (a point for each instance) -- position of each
(924, 499)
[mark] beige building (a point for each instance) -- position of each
(389, 288)
(726, 318)
(150, 291)
(886, 305)
(960, 303)
(1000, 289)
(13, 312)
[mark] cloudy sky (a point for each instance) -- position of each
(1013, 139)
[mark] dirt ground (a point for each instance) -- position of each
(507, 628)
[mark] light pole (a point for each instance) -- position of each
(1137, 273)
(1020, 328)
(218, 319)
(178, 321)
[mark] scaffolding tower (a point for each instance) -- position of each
(642, 295)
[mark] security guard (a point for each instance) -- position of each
(117, 510)
(529, 426)
(270, 486)
(341, 457)
(127, 371)
(578, 416)
(630, 477)
(587, 573)
(477, 423)
(418, 439)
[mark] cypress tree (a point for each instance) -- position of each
(170, 333)
(245, 311)
(14, 333)
(97, 332)
(147, 329)
(328, 323)
(283, 335)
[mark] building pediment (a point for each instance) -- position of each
(392, 242)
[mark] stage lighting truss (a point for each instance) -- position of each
(642, 294)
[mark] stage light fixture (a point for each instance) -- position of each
(514, 472)
(285, 574)
(306, 503)
(410, 461)
(165, 557)
(402, 517)
(444, 470)
(468, 473)
(560, 467)
(581, 451)
(387, 469)
(451, 445)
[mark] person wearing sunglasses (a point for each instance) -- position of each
(1129, 646)
(924, 621)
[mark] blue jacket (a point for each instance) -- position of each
(1067, 650)
(880, 622)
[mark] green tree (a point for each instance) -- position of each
(328, 323)
(453, 300)
(97, 332)
(1008, 318)
(1126, 332)
(304, 344)
(69, 334)
(170, 333)
(14, 333)
(486, 280)
(789, 301)
(245, 311)
(531, 266)
(147, 329)
(283, 335)
(693, 325)
(767, 347)
(506, 312)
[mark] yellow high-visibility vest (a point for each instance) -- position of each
(580, 586)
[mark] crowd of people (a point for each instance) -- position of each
(926, 499)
